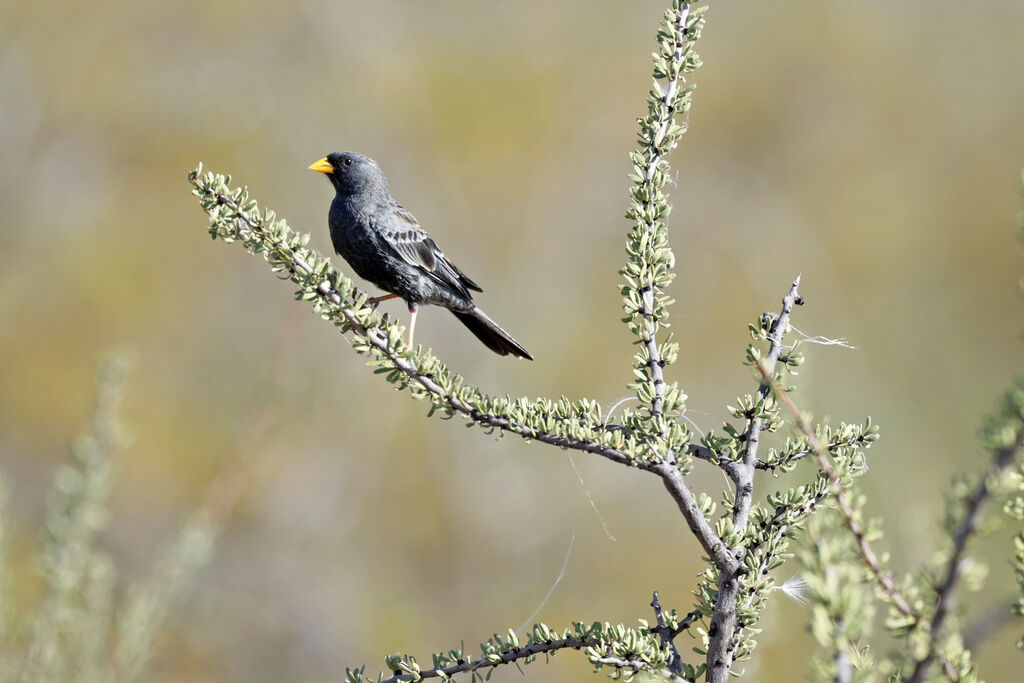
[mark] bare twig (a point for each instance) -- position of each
(686, 622)
(666, 635)
(699, 525)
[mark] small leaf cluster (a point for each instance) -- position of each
(664, 436)
(846, 436)
(622, 650)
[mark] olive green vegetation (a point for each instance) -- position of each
(874, 149)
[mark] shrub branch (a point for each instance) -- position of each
(885, 582)
(968, 526)
(723, 642)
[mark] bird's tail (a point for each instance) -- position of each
(491, 334)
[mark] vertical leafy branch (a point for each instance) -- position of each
(649, 270)
(650, 259)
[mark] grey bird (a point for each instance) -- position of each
(385, 245)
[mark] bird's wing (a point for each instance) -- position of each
(403, 233)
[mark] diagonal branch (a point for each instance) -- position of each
(686, 622)
(521, 654)
(235, 220)
(710, 541)
(885, 582)
(968, 526)
(400, 358)
(794, 456)
(867, 553)
(752, 436)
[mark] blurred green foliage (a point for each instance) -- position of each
(82, 629)
(873, 148)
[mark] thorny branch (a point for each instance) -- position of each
(724, 633)
(686, 622)
(722, 644)
(771, 466)
(752, 436)
(846, 510)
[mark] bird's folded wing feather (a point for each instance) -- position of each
(403, 233)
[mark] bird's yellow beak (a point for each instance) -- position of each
(322, 166)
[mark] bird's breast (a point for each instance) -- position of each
(357, 241)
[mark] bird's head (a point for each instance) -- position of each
(351, 172)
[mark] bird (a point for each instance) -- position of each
(385, 244)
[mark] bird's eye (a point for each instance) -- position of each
(348, 162)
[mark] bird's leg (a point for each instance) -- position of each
(374, 300)
(412, 322)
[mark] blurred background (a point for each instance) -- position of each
(873, 147)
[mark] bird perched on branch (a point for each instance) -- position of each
(385, 245)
